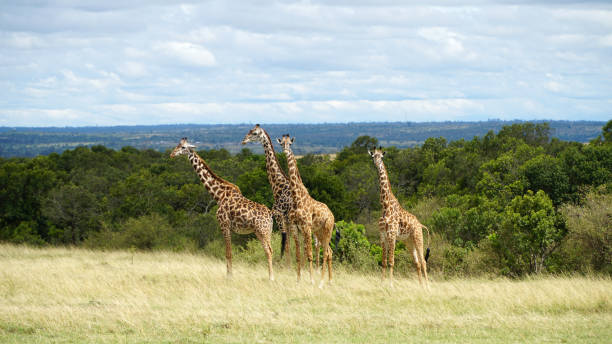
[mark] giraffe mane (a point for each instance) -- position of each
(274, 152)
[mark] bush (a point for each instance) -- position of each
(588, 245)
(353, 248)
(25, 233)
(145, 233)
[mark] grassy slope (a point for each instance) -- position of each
(74, 296)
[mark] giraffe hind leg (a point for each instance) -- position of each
(265, 239)
(227, 236)
(417, 263)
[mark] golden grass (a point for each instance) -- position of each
(75, 296)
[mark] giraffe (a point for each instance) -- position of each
(280, 185)
(397, 223)
(308, 215)
(236, 212)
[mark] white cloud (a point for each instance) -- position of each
(189, 53)
(133, 69)
(150, 62)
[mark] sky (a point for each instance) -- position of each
(148, 62)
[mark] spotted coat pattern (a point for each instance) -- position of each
(278, 181)
(396, 223)
(308, 215)
(235, 213)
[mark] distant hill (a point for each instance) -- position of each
(310, 138)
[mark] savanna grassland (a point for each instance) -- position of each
(64, 295)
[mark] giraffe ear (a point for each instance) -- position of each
(292, 139)
(370, 153)
(279, 140)
(384, 153)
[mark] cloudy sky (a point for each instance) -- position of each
(120, 62)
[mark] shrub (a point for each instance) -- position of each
(354, 249)
(588, 245)
(145, 233)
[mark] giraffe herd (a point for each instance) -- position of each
(298, 214)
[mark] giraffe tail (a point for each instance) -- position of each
(283, 241)
(427, 250)
(337, 238)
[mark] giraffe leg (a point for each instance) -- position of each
(227, 236)
(391, 254)
(326, 256)
(329, 263)
(267, 246)
(308, 248)
(423, 264)
(317, 252)
(417, 262)
(383, 245)
(298, 256)
(284, 227)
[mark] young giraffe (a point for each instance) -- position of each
(280, 185)
(397, 223)
(309, 215)
(236, 212)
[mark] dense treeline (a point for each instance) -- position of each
(315, 138)
(514, 202)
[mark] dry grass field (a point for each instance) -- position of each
(57, 295)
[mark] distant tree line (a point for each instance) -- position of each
(511, 203)
(314, 138)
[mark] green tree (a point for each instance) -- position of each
(546, 173)
(73, 211)
(530, 232)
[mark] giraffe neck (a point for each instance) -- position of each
(295, 180)
(276, 175)
(386, 195)
(217, 187)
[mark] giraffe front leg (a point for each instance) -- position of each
(308, 249)
(287, 245)
(391, 254)
(286, 242)
(298, 257)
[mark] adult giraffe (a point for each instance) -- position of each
(279, 183)
(397, 223)
(236, 212)
(310, 216)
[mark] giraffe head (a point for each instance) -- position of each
(377, 155)
(183, 147)
(286, 142)
(257, 134)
